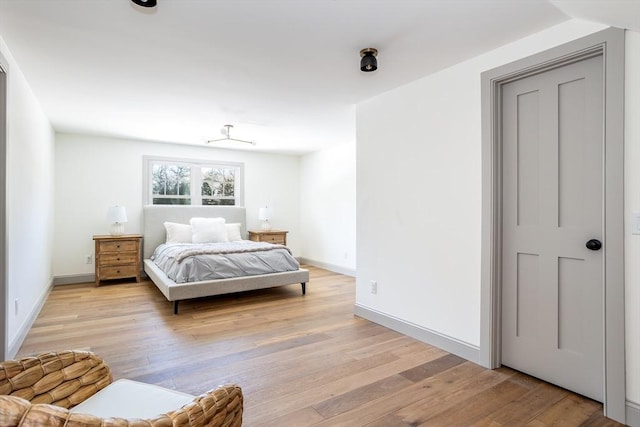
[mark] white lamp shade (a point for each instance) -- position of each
(117, 214)
(264, 214)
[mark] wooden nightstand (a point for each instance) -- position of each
(117, 257)
(278, 237)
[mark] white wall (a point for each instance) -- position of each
(327, 208)
(419, 195)
(93, 173)
(30, 155)
(632, 203)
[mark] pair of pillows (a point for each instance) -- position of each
(202, 230)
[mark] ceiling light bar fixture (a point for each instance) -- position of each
(145, 3)
(226, 131)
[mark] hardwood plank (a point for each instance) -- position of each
(525, 408)
(479, 405)
(354, 398)
(302, 417)
(317, 378)
(338, 386)
(598, 419)
(573, 410)
(301, 361)
(432, 368)
(425, 399)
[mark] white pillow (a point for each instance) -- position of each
(208, 230)
(178, 233)
(233, 231)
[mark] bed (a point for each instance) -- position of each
(154, 235)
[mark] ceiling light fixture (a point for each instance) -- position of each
(226, 131)
(368, 62)
(145, 3)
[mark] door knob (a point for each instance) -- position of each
(594, 244)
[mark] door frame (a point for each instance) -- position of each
(4, 321)
(610, 44)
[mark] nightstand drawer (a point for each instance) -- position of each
(277, 237)
(124, 246)
(118, 258)
(273, 239)
(118, 271)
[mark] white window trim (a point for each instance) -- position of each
(195, 164)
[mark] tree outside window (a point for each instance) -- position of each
(218, 186)
(171, 184)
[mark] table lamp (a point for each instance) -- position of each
(264, 214)
(117, 216)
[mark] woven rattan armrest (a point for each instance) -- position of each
(63, 378)
(219, 407)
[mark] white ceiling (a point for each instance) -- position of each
(285, 73)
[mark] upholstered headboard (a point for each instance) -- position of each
(156, 215)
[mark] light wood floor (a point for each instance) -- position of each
(301, 361)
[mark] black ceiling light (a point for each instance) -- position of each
(145, 3)
(368, 62)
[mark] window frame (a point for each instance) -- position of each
(195, 166)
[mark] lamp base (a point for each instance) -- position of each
(266, 225)
(117, 229)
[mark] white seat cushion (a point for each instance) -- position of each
(132, 399)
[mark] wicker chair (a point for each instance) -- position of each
(39, 391)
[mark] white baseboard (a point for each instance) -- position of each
(446, 343)
(331, 267)
(15, 345)
(633, 414)
(71, 279)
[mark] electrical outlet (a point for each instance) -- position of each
(16, 305)
(88, 259)
(374, 287)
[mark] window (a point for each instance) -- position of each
(192, 182)
(171, 184)
(218, 185)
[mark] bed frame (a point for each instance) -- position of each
(154, 234)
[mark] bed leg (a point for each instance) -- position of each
(304, 288)
(175, 307)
